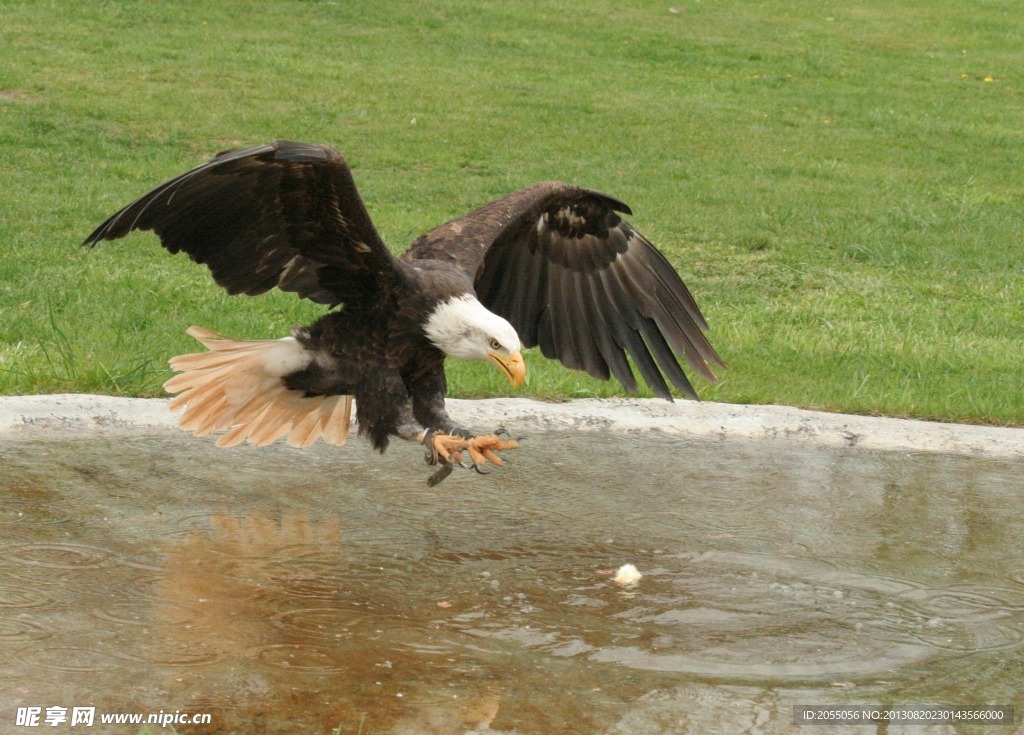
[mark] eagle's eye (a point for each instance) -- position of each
(495, 344)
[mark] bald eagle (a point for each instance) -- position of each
(551, 265)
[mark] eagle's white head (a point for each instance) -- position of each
(462, 327)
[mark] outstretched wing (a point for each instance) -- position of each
(285, 214)
(572, 276)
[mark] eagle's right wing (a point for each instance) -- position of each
(286, 214)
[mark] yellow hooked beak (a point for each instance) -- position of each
(513, 367)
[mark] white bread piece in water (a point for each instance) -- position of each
(627, 574)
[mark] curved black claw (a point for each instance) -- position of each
(502, 431)
(480, 469)
(460, 432)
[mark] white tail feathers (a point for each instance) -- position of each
(238, 386)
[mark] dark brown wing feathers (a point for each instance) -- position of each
(285, 214)
(556, 260)
(571, 276)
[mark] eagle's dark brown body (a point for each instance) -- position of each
(554, 261)
(380, 355)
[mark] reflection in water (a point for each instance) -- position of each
(274, 617)
(301, 591)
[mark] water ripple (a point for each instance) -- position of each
(31, 512)
(60, 555)
(300, 657)
(731, 614)
(324, 622)
(186, 655)
(23, 629)
(970, 618)
(131, 613)
(71, 659)
(804, 660)
(19, 593)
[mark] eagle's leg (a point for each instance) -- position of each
(446, 443)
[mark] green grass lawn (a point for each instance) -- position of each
(839, 184)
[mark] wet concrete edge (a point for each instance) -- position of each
(72, 414)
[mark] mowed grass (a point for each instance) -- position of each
(840, 185)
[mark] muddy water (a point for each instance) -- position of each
(288, 591)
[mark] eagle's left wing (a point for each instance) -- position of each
(572, 276)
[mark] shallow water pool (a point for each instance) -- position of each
(304, 591)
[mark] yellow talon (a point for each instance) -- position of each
(482, 449)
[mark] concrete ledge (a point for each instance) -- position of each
(40, 416)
